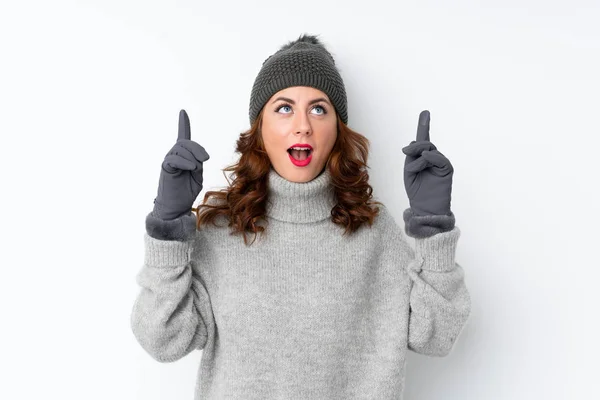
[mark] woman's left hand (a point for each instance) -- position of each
(427, 174)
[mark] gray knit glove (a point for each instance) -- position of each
(179, 185)
(428, 183)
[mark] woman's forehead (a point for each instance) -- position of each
(300, 92)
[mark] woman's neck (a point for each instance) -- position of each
(300, 202)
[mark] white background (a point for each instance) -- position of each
(90, 93)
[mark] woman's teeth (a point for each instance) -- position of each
(299, 154)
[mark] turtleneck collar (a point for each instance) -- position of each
(300, 202)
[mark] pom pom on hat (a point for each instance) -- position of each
(304, 38)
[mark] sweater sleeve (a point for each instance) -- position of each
(439, 303)
(171, 312)
(439, 300)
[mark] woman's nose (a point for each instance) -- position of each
(302, 124)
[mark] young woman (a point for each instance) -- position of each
(325, 304)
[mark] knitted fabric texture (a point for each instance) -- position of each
(304, 312)
(302, 62)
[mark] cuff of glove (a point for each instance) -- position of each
(422, 226)
(181, 228)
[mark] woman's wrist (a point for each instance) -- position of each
(422, 226)
(181, 228)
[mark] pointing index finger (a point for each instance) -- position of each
(423, 127)
(184, 126)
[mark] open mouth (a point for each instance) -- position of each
(299, 155)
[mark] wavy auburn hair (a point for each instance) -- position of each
(244, 201)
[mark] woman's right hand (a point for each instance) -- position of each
(180, 180)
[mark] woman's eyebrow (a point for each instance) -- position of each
(309, 103)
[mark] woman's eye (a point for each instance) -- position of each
(279, 108)
(321, 108)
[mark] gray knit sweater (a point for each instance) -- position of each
(302, 313)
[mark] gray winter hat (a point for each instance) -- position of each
(301, 62)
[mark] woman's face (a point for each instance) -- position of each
(303, 115)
